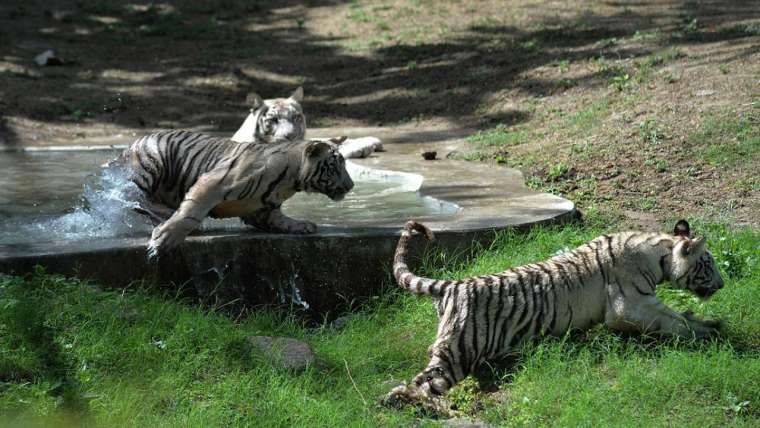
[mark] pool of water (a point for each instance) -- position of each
(64, 195)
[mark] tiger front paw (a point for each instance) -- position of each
(707, 329)
(398, 398)
(164, 238)
(302, 227)
(402, 396)
(702, 329)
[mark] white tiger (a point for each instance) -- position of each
(184, 177)
(274, 120)
(610, 280)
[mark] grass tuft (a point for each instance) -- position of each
(499, 136)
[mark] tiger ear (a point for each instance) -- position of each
(682, 229)
(337, 140)
(316, 149)
(694, 246)
(297, 95)
(254, 100)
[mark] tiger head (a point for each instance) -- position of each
(278, 119)
(323, 169)
(692, 266)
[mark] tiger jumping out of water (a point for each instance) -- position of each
(185, 176)
(610, 280)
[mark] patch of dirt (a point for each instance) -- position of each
(621, 105)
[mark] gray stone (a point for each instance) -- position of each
(49, 57)
(341, 322)
(465, 423)
(285, 352)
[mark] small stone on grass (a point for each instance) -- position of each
(465, 423)
(49, 57)
(285, 352)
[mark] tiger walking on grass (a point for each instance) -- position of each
(610, 280)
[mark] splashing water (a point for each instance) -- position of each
(105, 209)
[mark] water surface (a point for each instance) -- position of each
(65, 195)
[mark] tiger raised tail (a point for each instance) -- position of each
(611, 280)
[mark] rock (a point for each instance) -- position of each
(705, 93)
(429, 155)
(49, 57)
(285, 352)
(59, 15)
(353, 148)
(465, 423)
(341, 322)
(454, 154)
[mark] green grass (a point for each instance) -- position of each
(728, 141)
(71, 353)
(498, 136)
(584, 120)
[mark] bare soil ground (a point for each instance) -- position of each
(649, 109)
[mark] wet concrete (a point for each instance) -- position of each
(330, 271)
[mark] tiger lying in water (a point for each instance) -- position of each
(273, 121)
(609, 280)
(186, 176)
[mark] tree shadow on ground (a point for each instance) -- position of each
(191, 63)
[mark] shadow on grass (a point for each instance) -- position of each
(193, 62)
(40, 358)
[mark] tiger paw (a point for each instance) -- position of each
(707, 329)
(302, 227)
(164, 238)
(398, 398)
(403, 396)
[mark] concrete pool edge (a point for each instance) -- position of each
(321, 273)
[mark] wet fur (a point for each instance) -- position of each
(185, 176)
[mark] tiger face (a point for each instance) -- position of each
(279, 119)
(323, 170)
(693, 267)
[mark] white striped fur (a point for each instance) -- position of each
(273, 121)
(186, 176)
(610, 280)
